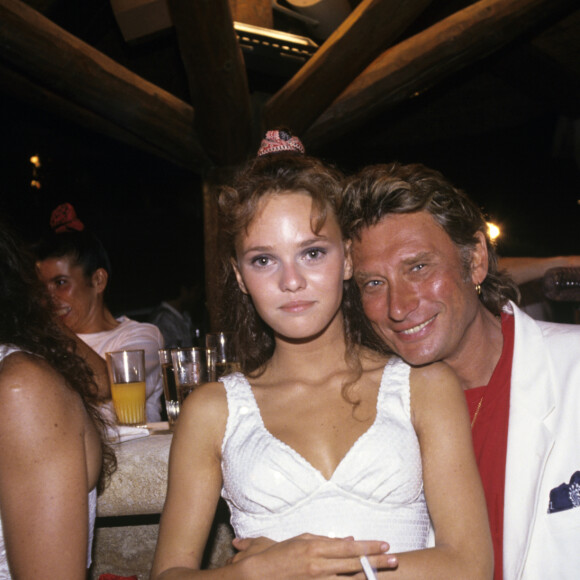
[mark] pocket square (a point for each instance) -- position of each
(566, 496)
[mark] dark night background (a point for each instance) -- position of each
(148, 212)
(512, 151)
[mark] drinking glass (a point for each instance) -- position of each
(190, 369)
(169, 386)
(127, 377)
(222, 344)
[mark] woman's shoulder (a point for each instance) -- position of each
(26, 372)
(202, 419)
(435, 386)
(207, 403)
(211, 393)
(34, 396)
(141, 331)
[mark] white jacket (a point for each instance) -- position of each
(543, 451)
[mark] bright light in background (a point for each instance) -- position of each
(35, 160)
(493, 231)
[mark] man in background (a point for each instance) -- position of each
(173, 316)
(75, 267)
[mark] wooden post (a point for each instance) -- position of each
(217, 77)
(213, 180)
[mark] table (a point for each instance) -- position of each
(129, 509)
(139, 485)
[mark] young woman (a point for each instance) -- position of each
(325, 447)
(53, 456)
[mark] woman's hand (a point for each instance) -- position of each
(248, 547)
(310, 556)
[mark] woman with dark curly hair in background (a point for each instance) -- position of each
(53, 454)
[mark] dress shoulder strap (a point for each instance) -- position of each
(238, 389)
(395, 384)
(242, 406)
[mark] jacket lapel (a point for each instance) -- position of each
(529, 440)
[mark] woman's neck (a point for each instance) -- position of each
(319, 355)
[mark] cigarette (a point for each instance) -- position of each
(367, 568)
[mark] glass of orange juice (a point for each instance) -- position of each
(127, 376)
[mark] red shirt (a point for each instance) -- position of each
(489, 431)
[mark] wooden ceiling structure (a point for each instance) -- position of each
(386, 53)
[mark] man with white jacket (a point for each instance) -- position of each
(430, 285)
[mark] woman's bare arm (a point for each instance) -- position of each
(524, 270)
(452, 484)
(194, 484)
(44, 483)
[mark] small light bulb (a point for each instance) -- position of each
(493, 231)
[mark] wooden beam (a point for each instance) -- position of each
(371, 28)
(24, 90)
(217, 77)
(73, 71)
(419, 62)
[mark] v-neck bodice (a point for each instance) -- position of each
(375, 493)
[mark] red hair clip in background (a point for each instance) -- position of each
(64, 219)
